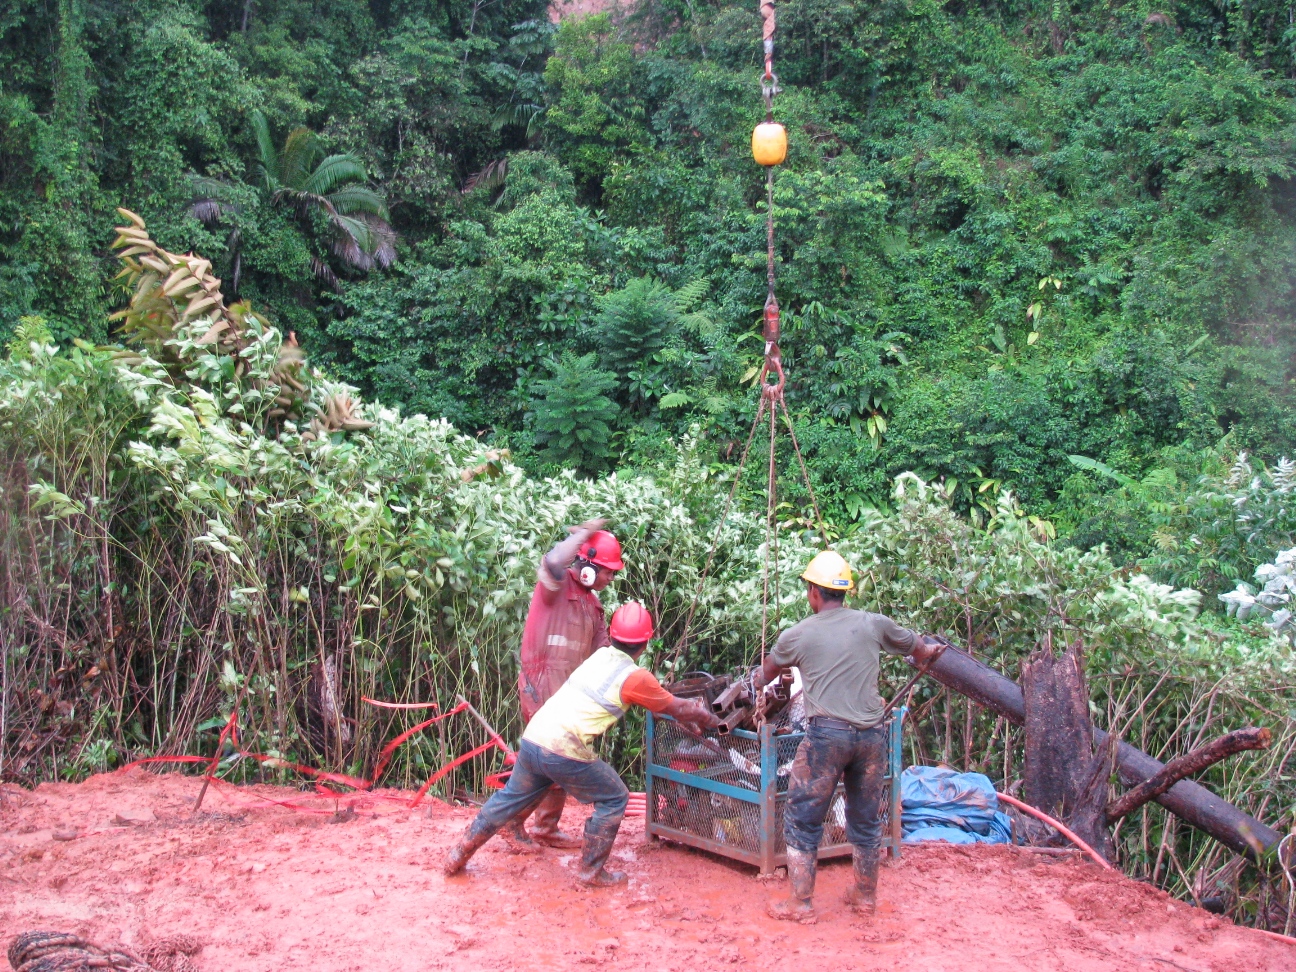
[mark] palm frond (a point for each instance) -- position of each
(533, 124)
(358, 199)
(384, 252)
(490, 178)
(363, 241)
(206, 211)
(267, 154)
(334, 171)
(324, 273)
(209, 187)
(211, 200)
(349, 248)
(300, 152)
(304, 202)
(526, 114)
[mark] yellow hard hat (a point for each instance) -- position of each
(829, 569)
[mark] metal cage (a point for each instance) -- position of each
(734, 807)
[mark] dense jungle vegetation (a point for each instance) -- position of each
(1008, 233)
(464, 275)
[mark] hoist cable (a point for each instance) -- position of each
(771, 531)
(770, 397)
(773, 394)
(715, 542)
(805, 474)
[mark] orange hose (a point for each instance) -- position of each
(1282, 938)
(1041, 815)
(1059, 827)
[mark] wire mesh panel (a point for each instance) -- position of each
(726, 794)
(728, 822)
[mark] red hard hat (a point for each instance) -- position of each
(631, 624)
(603, 549)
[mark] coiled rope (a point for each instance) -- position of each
(48, 951)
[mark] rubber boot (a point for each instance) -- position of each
(463, 851)
(520, 841)
(799, 904)
(862, 896)
(598, 847)
(545, 819)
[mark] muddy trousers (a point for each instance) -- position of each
(536, 771)
(547, 813)
(532, 692)
(826, 756)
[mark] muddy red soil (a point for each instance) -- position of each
(120, 859)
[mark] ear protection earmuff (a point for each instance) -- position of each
(587, 575)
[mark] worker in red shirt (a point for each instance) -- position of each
(564, 626)
(557, 748)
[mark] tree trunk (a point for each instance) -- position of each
(1058, 730)
(1189, 801)
(1064, 777)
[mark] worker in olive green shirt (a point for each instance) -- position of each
(838, 651)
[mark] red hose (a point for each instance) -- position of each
(230, 732)
(1059, 827)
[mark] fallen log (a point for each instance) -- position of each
(1189, 764)
(1192, 803)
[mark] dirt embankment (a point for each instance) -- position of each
(567, 9)
(267, 888)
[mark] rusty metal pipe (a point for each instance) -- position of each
(733, 720)
(735, 694)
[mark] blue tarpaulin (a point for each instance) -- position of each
(942, 804)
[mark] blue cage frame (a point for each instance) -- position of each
(752, 831)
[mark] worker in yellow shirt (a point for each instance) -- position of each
(556, 745)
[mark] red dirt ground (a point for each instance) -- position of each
(567, 9)
(271, 889)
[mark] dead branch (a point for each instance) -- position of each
(1188, 764)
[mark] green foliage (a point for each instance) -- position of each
(31, 334)
(1272, 596)
(573, 415)
(302, 176)
(594, 112)
(1226, 527)
(634, 323)
(1206, 520)
(647, 335)
(1005, 235)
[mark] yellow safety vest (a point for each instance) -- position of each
(587, 705)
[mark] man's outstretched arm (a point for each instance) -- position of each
(557, 560)
(692, 713)
(768, 672)
(642, 688)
